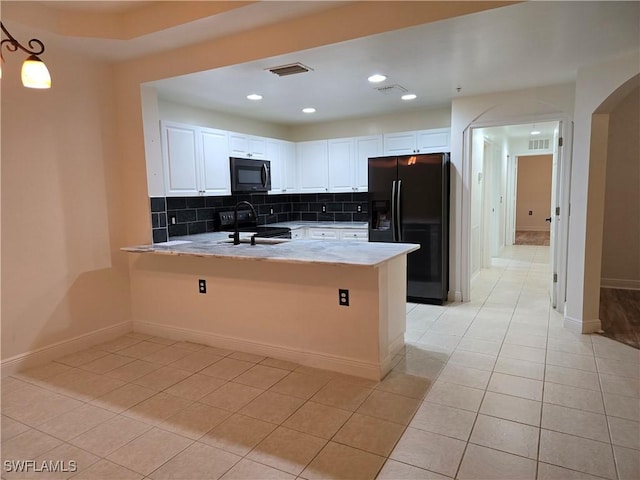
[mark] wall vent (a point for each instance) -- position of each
(539, 144)
(291, 69)
(394, 89)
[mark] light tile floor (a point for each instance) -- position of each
(491, 389)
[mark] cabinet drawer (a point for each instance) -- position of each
(298, 233)
(323, 234)
(357, 235)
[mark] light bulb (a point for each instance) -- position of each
(35, 73)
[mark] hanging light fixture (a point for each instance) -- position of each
(34, 72)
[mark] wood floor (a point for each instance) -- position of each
(620, 315)
(532, 238)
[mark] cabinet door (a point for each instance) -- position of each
(298, 233)
(274, 155)
(433, 141)
(180, 157)
(215, 162)
(238, 145)
(313, 171)
(402, 143)
(258, 148)
(290, 167)
(366, 147)
(341, 153)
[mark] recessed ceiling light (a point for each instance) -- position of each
(254, 96)
(308, 110)
(535, 132)
(377, 78)
(409, 96)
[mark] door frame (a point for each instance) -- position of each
(564, 179)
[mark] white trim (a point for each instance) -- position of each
(576, 325)
(565, 177)
(620, 283)
(34, 358)
(312, 359)
(454, 296)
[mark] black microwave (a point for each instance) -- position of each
(250, 175)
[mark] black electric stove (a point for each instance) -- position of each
(247, 223)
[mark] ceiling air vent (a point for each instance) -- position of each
(394, 89)
(539, 144)
(290, 69)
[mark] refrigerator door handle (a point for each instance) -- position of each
(393, 212)
(398, 208)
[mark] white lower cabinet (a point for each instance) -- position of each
(298, 233)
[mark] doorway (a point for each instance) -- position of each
(511, 161)
(533, 199)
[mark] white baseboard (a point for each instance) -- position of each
(43, 355)
(581, 326)
(311, 359)
(620, 283)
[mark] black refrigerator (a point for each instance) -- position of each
(409, 203)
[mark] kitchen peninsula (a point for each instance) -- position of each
(277, 299)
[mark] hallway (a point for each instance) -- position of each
(510, 394)
(519, 396)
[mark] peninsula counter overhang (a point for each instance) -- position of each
(294, 251)
(279, 300)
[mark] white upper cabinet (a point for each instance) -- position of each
(341, 164)
(196, 160)
(274, 155)
(366, 147)
(348, 162)
(313, 171)
(421, 141)
(247, 146)
(290, 167)
(215, 162)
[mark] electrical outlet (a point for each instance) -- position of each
(343, 297)
(324, 209)
(271, 211)
(530, 212)
(202, 286)
(359, 209)
(173, 220)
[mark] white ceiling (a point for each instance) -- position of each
(520, 46)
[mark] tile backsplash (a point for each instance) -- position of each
(175, 216)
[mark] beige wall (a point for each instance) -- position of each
(74, 183)
(621, 234)
(594, 85)
(63, 275)
(533, 192)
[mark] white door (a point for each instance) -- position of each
(274, 156)
(290, 167)
(403, 143)
(433, 141)
(556, 214)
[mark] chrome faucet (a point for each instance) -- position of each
(236, 232)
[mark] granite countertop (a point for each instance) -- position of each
(287, 251)
(296, 225)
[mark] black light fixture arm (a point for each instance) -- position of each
(36, 47)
